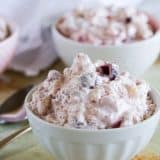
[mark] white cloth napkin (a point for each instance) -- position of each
(35, 51)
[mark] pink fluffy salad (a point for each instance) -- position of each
(92, 96)
(106, 26)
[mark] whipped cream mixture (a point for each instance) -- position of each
(92, 96)
(106, 26)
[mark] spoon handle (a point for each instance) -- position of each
(14, 135)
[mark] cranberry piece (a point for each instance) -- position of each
(124, 40)
(81, 39)
(93, 101)
(108, 70)
(117, 124)
(128, 20)
(109, 17)
(91, 87)
(81, 15)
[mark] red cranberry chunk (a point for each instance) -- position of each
(128, 20)
(108, 70)
(117, 124)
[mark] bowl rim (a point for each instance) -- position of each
(55, 31)
(14, 30)
(110, 130)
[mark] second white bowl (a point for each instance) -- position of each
(135, 57)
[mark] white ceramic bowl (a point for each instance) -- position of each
(8, 47)
(79, 144)
(135, 57)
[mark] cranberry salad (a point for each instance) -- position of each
(92, 96)
(106, 26)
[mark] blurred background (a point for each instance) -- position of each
(33, 19)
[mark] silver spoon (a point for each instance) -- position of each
(12, 111)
